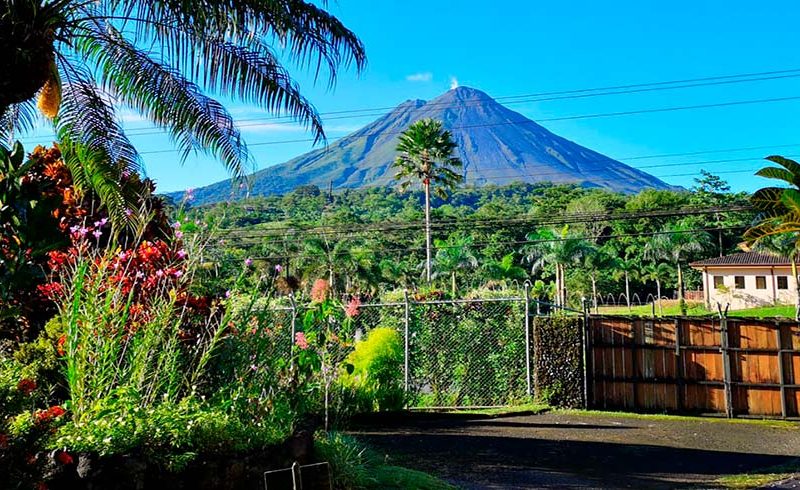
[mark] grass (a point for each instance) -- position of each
(356, 467)
(760, 478)
(778, 424)
(525, 409)
(671, 308)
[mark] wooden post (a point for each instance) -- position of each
(406, 322)
(634, 363)
(586, 353)
(679, 381)
(726, 361)
(781, 374)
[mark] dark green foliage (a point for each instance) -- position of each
(558, 360)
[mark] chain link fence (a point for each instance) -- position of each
(457, 353)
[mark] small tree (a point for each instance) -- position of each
(779, 209)
(452, 256)
(658, 272)
(427, 155)
(560, 249)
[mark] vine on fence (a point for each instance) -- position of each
(558, 360)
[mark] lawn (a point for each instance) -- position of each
(671, 308)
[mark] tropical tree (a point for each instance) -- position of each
(778, 226)
(595, 260)
(784, 245)
(560, 249)
(627, 268)
(674, 243)
(659, 272)
(453, 256)
(427, 156)
(82, 61)
(505, 269)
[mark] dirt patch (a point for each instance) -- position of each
(566, 450)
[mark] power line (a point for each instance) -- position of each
(535, 97)
(511, 242)
(333, 232)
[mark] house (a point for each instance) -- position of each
(747, 280)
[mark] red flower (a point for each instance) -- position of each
(26, 386)
(3, 441)
(44, 416)
(60, 345)
(41, 486)
(64, 458)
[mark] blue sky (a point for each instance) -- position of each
(417, 49)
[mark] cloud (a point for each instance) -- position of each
(420, 77)
(453, 83)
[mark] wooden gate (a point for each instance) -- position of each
(733, 366)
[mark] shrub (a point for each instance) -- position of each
(375, 381)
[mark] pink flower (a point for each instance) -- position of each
(319, 291)
(97, 234)
(159, 273)
(278, 268)
(178, 273)
(128, 212)
(181, 254)
(228, 293)
(300, 340)
(178, 234)
(351, 309)
(248, 262)
(176, 225)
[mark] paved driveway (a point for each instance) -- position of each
(566, 450)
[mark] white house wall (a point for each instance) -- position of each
(749, 297)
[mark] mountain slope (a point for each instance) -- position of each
(497, 146)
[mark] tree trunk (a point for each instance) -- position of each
(658, 295)
(627, 291)
(594, 294)
(453, 283)
(681, 301)
(427, 186)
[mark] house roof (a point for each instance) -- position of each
(744, 258)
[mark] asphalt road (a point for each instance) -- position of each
(565, 450)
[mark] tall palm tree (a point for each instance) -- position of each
(427, 155)
(627, 268)
(597, 259)
(658, 272)
(675, 244)
(454, 255)
(560, 249)
(85, 60)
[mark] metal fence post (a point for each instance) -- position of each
(293, 325)
(528, 337)
(585, 352)
(406, 322)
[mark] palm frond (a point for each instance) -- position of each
(18, 119)
(195, 121)
(790, 165)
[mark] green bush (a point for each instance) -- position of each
(355, 467)
(374, 383)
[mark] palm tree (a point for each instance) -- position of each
(454, 255)
(426, 155)
(658, 272)
(674, 244)
(778, 228)
(595, 260)
(559, 249)
(505, 269)
(85, 60)
(628, 268)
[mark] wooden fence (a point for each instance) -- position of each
(697, 365)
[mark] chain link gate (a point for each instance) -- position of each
(457, 353)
